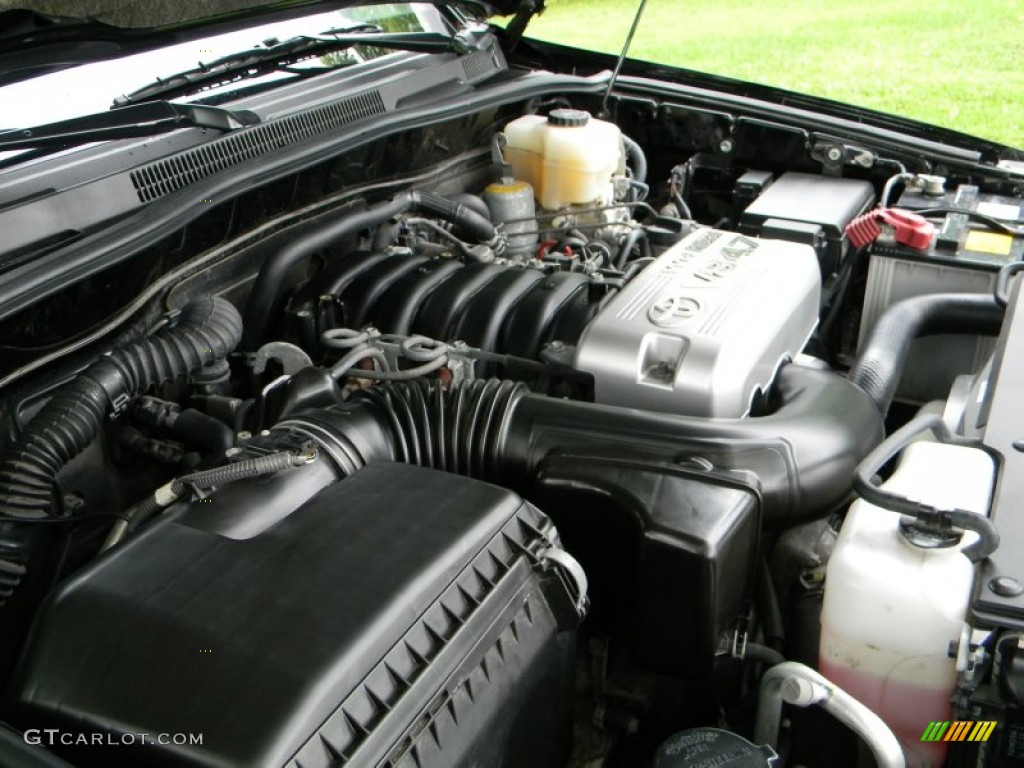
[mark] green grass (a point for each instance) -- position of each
(954, 63)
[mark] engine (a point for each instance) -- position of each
(706, 327)
(529, 458)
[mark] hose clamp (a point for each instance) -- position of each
(572, 575)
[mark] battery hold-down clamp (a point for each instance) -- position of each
(904, 227)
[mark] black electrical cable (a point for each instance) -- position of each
(991, 223)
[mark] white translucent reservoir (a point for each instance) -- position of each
(568, 156)
(892, 609)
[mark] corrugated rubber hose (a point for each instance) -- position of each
(207, 330)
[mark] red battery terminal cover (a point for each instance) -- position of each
(905, 228)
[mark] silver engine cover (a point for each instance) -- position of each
(705, 327)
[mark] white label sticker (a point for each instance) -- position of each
(999, 211)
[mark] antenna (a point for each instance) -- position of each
(622, 57)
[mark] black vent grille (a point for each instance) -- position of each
(173, 173)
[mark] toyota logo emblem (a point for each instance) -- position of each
(671, 311)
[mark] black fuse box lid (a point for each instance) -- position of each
(826, 201)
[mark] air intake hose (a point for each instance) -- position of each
(207, 330)
(880, 365)
(265, 300)
(803, 456)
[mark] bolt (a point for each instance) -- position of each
(1006, 586)
(244, 435)
(556, 346)
(232, 452)
(834, 154)
(726, 146)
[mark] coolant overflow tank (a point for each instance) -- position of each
(895, 601)
(568, 156)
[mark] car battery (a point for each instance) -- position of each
(962, 258)
(967, 198)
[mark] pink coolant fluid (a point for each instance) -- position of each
(892, 607)
(906, 708)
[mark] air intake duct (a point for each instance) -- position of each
(800, 459)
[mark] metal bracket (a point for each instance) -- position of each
(572, 573)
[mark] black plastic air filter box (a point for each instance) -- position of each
(669, 551)
(401, 617)
(806, 208)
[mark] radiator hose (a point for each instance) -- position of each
(206, 331)
(880, 365)
(266, 297)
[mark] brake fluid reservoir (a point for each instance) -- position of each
(568, 156)
(892, 606)
(511, 204)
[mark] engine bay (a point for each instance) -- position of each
(537, 436)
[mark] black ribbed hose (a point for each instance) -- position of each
(459, 430)
(880, 365)
(268, 291)
(207, 330)
(803, 455)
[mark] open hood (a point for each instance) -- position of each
(40, 36)
(142, 14)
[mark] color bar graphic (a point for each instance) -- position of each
(959, 730)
